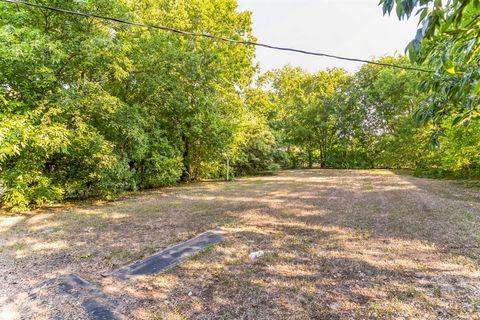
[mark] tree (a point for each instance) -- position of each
(90, 107)
(306, 112)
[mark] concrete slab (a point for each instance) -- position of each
(95, 303)
(169, 257)
(91, 302)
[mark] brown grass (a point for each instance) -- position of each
(339, 244)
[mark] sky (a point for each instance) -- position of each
(351, 28)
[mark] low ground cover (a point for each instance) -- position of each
(339, 244)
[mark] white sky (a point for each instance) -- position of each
(352, 28)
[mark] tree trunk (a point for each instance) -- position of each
(323, 151)
(187, 167)
(310, 159)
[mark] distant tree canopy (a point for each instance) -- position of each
(95, 108)
(367, 120)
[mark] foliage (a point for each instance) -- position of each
(91, 108)
(257, 153)
(331, 119)
(306, 114)
(95, 108)
(448, 43)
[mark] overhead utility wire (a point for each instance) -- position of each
(206, 35)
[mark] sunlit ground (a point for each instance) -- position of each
(339, 244)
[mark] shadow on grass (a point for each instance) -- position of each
(340, 244)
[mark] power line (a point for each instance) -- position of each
(206, 35)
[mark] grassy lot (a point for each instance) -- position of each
(339, 244)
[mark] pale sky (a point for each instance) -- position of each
(352, 28)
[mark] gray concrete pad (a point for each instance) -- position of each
(169, 257)
(95, 304)
(91, 302)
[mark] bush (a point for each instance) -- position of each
(273, 167)
(159, 170)
(257, 153)
(24, 188)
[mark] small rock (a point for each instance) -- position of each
(190, 294)
(256, 254)
(335, 306)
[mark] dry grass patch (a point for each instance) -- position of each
(339, 244)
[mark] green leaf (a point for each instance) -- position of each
(451, 70)
(476, 90)
(400, 11)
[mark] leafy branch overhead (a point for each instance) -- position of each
(448, 40)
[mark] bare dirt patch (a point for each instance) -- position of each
(338, 244)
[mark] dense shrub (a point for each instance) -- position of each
(92, 108)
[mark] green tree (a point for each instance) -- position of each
(306, 112)
(90, 107)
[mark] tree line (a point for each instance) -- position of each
(332, 119)
(94, 108)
